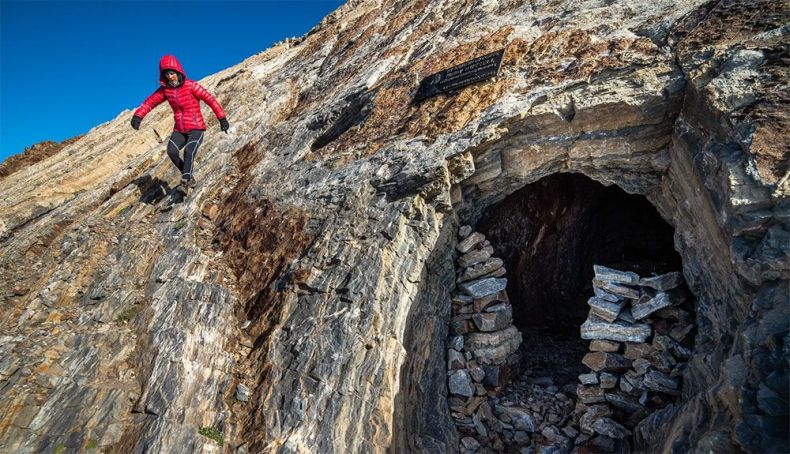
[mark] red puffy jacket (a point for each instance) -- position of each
(184, 99)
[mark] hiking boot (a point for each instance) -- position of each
(188, 183)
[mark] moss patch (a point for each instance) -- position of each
(127, 314)
(213, 433)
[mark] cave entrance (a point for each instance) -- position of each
(550, 234)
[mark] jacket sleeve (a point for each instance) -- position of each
(150, 102)
(206, 97)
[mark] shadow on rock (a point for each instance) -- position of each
(152, 190)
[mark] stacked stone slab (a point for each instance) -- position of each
(483, 343)
(641, 339)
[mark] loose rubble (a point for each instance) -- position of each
(640, 339)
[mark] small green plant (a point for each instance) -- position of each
(60, 449)
(214, 434)
(92, 444)
(127, 315)
(180, 224)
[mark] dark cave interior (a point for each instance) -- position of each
(550, 234)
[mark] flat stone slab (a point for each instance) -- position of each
(469, 242)
(480, 304)
(646, 306)
(607, 310)
(660, 382)
(624, 402)
(590, 394)
(484, 287)
(604, 346)
(481, 269)
(596, 328)
(606, 362)
(604, 295)
(495, 320)
(475, 256)
(493, 348)
(621, 290)
(612, 275)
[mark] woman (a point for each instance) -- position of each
(184, 96)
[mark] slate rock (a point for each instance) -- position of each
(605, 309)
(604, 346)
(457, 343)
(481, 304)
(469, 242)
(589, 378)
(455, 360)
(483, 287)
(621, 290)
(590, 394)
(596, 328)
(460, 383)
(610, 428)
(611, 275)
(519, 418)
(495, 320)
(608, 381)
(475, 256)
(480, 269)
(476, 372)
(592, 414)
(606, 362)
(242, 393)
(469, 443)
(660, 382)
(464, 231)
(623, 402)
(495, 347)
(646, 306)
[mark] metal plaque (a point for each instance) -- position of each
(467, 73)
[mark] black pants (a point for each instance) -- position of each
(190, 141)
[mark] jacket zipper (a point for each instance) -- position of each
(181, 109)
(194, 118)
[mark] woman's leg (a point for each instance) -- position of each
(190, 150)
(177, 141)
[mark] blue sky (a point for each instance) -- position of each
(68, 66)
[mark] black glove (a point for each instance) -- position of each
(136, 121)
(223, 124)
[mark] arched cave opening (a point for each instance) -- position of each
(550, 234)
(570, 323)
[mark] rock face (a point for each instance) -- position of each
(313, 263)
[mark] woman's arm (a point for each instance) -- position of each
(150, 102)
(203, 94)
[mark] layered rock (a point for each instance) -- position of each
(313, 263)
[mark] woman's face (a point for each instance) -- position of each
(172, 77)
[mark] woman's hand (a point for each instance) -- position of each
(223, 124)
(136, 121)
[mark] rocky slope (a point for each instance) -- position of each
(314, 264)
